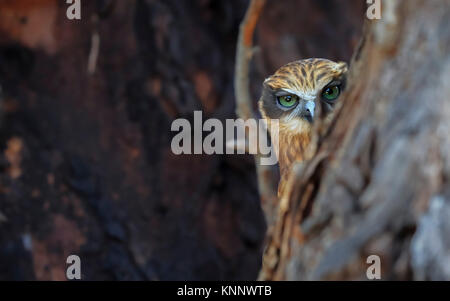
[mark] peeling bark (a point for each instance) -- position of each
(379, 183)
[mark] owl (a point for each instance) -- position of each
(296, 95)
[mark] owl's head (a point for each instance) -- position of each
(299, 91)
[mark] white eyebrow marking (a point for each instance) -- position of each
(302, 95)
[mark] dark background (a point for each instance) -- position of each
(85, 160)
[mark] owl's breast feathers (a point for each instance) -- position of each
(292, 147)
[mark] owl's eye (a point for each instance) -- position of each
(331, 93)
(287, 101)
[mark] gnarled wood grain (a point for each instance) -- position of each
(379, 184)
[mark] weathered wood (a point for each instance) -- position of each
(379, 184)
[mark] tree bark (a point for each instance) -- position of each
(379, 183)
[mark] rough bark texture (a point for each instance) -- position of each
(379, 184)
(86, 165)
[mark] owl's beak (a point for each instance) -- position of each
(310, 107)
(308, 110)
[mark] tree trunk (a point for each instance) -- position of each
(379, 183)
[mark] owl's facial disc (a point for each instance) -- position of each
(302, 91)
(297, 105)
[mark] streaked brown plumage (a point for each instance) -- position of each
(295, 95)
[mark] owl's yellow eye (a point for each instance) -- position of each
(288, 101)
(331, 93)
